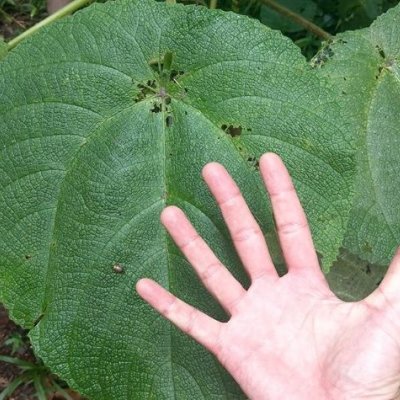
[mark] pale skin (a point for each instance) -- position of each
(287, 337)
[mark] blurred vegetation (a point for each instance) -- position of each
(332, 16)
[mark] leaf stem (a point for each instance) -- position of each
(68, 9)
(298, 19)
(213, 4)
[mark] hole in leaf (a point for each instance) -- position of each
(175, 74)
(254, 162)
(145, 89)
(381, 52)
(322, 57)
(156, 65)
(156, 108)
(169, 121)
(232, 130)
(38, 319)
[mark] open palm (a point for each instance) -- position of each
(287, 337)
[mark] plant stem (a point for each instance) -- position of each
(298, 19)
(68, 9)
(213, 4)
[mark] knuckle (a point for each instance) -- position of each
(282, 192)
(210, 271)
(191, 321)
(230, 200)
(190, 242)
(169, 309)
(247, 233)
(288, 228)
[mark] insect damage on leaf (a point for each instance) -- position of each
(254, 162)
(232, 130)
(169, 121)
(156, 108)
(381, 51)
(322, 57)
(145, 89)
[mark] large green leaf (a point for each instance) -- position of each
(108, 116)
(365, 68)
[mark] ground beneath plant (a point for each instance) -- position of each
(13, 25)
(10, 372)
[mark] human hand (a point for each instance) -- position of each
(287, 337)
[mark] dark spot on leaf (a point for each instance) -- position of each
(381, 52)
(175, 74)
(38, 319)
(322, 57)
(186, 90)
(156, 65)
(167, 100)
(248, 129)
(169, 121)
(253, 161)
(118, 268)
(232, 130)
(344, 78)
(144, 90)
(156, 108)
(343, 92)
(368, 269)
(28, 256)
(152, 84)
(186, 113)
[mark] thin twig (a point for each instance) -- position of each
(213, 4)
(298, 19)
(68, 9)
